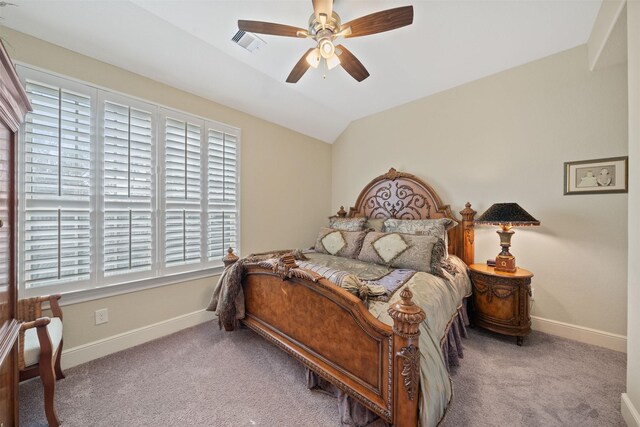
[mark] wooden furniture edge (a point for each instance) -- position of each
(14, 104)
(520, 272)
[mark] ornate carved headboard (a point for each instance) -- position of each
(404, 196)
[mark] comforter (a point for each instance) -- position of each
(439, 297)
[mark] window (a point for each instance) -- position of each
(56, 193)
(115, 190)
(184, 195)
(128, 214)
(222, 213)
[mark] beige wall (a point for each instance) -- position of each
(633, 333)
(285, 187)
(506, 138)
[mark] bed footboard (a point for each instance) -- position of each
(331, 332)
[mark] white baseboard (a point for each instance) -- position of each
(580, 333)
(629, 412)
(96, 349)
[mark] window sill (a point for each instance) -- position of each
(76, 297)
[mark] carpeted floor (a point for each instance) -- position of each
(204, 377)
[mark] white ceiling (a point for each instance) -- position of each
(187, 44)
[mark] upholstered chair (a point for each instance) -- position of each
(40, 348)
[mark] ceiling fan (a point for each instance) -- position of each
(325, 27)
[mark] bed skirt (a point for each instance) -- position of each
(352, 413)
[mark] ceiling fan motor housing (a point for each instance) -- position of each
(332, 25)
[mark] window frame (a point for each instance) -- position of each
(99, 285)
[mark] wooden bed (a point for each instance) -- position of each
(330, 330)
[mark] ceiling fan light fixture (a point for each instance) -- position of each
(327, 49)
(313, 58)
(332, 62)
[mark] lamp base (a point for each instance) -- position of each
(506, 263)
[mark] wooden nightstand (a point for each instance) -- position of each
(501, 300)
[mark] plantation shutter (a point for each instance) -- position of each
(183, 195)
(222, 226)
(116, 191)
(128, 187)
(56, 229)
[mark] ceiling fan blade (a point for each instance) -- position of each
(322, 7)
(300, 68)
(271, 28)
(351, 64)
(380, 22)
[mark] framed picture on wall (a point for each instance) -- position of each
(597, 176)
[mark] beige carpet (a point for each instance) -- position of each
(204, 377)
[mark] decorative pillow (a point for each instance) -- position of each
(375, 224)
(414, 252)
(427, 227)
(346, 244)
(348, 224)
(389, 247)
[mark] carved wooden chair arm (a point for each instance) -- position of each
(55, 306)
(38, 323)
(30, 309)
(43, 337)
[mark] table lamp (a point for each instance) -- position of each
(506, 215)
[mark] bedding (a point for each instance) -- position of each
(375, 224)
(348, 224)
(440, 297)
(430, 227)
(227, 300)
(414, 252)
(339, 242)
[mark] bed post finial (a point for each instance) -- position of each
(407, 317)
(468, 215)
(230, 258)
(341, 213)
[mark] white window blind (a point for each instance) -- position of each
(183, 182)
(57, 186)
(128, 185)
(222, 227)
(114, 190)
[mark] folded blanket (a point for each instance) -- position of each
(227, 300)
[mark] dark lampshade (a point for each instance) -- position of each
(509, 214)
(506, 215)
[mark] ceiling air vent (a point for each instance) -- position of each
(249, 41)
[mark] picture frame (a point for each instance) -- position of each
(610, 175)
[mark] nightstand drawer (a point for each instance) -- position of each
(496, 303)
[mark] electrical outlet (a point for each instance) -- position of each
(102, 316)
(533, 293)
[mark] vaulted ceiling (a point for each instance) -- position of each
(187, 44)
